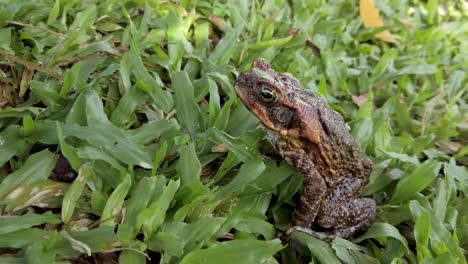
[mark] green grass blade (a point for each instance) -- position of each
(16, 223)
(11, 143)
(188, 112)
(37, 166)
(189, 167)
(248, 172)
(416, 181)
(74, 192)
(153, 216)
(383, 230)
(318, 249)
(235, 251)
(115, 202)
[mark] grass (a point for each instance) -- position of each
(172, 168)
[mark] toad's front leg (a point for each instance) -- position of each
(315, 187)
(309, 204)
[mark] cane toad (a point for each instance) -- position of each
(313, 137)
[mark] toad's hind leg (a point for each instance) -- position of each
(342, 211)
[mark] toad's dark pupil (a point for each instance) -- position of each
(267, 94)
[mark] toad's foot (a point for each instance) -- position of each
(327, 236)
(345, 233)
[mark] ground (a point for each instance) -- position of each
(135, 99)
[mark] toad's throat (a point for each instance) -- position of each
(263, 116)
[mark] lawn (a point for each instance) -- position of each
(136, 100)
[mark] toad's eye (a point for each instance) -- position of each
(267, 94)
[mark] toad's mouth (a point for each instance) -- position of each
(238, 88)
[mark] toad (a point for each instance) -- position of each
(313, 137)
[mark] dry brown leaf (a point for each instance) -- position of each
(29, 64)
(25, 78)
(217, 21)
(360, 100)
(221, 148)
(6, 95)
(371, 18)
(451, 147)
(408, 23)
